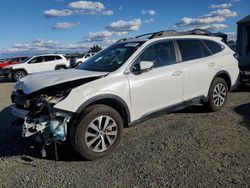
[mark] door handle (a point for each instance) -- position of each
(211, 64)
(177, 73)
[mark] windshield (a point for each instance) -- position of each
(111, 58)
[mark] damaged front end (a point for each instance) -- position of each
(43, 121)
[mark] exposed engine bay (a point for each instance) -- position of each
(40, 118)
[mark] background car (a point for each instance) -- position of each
(38, 63)
(79, 60)
(11, 61)
(244, 65)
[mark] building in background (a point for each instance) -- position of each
(243, 37)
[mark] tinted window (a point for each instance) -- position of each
(49, 58)
(37, 60)
(214, 47)
(161, 54)
(88, 55)
(205, 50)
(58, 57)
(190, 49)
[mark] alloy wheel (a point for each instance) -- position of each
(219, 94)
(101, 134)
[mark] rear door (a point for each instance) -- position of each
(198, 67)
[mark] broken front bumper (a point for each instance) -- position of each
(51, 128)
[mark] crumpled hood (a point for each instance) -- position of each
(38, 81)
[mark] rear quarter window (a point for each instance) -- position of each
(58, 57)
(214, 47)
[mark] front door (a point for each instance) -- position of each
(160, 87)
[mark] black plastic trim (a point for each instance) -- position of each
(169, 109)
(225, 72)
(106, 96)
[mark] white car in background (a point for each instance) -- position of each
(38, 63)
(84, 58)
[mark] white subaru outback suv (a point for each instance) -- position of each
(38, 63)
(123, 85)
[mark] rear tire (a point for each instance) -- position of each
(60, 68)
(17, 75)
(217, 95)
(98, 133)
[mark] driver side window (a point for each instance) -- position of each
(161, 54)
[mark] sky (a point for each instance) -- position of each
(42, 26)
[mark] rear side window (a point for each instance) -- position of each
(205, 50)
(190, 49)
(214, 47)
(49, 58)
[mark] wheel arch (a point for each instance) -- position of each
(19, 69)
(60, 65)
(225, 75)
(111, 100)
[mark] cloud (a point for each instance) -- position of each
(187, 22)
(150, 20)
(80, 8)
(210, 21)
(65, 25)
(87, 5)
(55, 13)
(108, 12)
(121, 25)
(120, 7)
(149, 12)
(102, 35)
(214, 27)
(46, 46)
(221, 6)
(225, 13)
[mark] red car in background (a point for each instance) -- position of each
(11, 61)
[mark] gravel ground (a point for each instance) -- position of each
(189, 148)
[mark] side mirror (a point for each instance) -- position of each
(146, 66)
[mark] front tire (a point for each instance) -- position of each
(217, 95)
(98, 133)
(17, 75)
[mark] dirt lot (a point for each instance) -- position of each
(189, 148)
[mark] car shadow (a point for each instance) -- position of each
(5, 80)
(244, 111)
(13, 144)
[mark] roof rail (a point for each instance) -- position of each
(123, 39)
(197, 32)
(169, 33)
